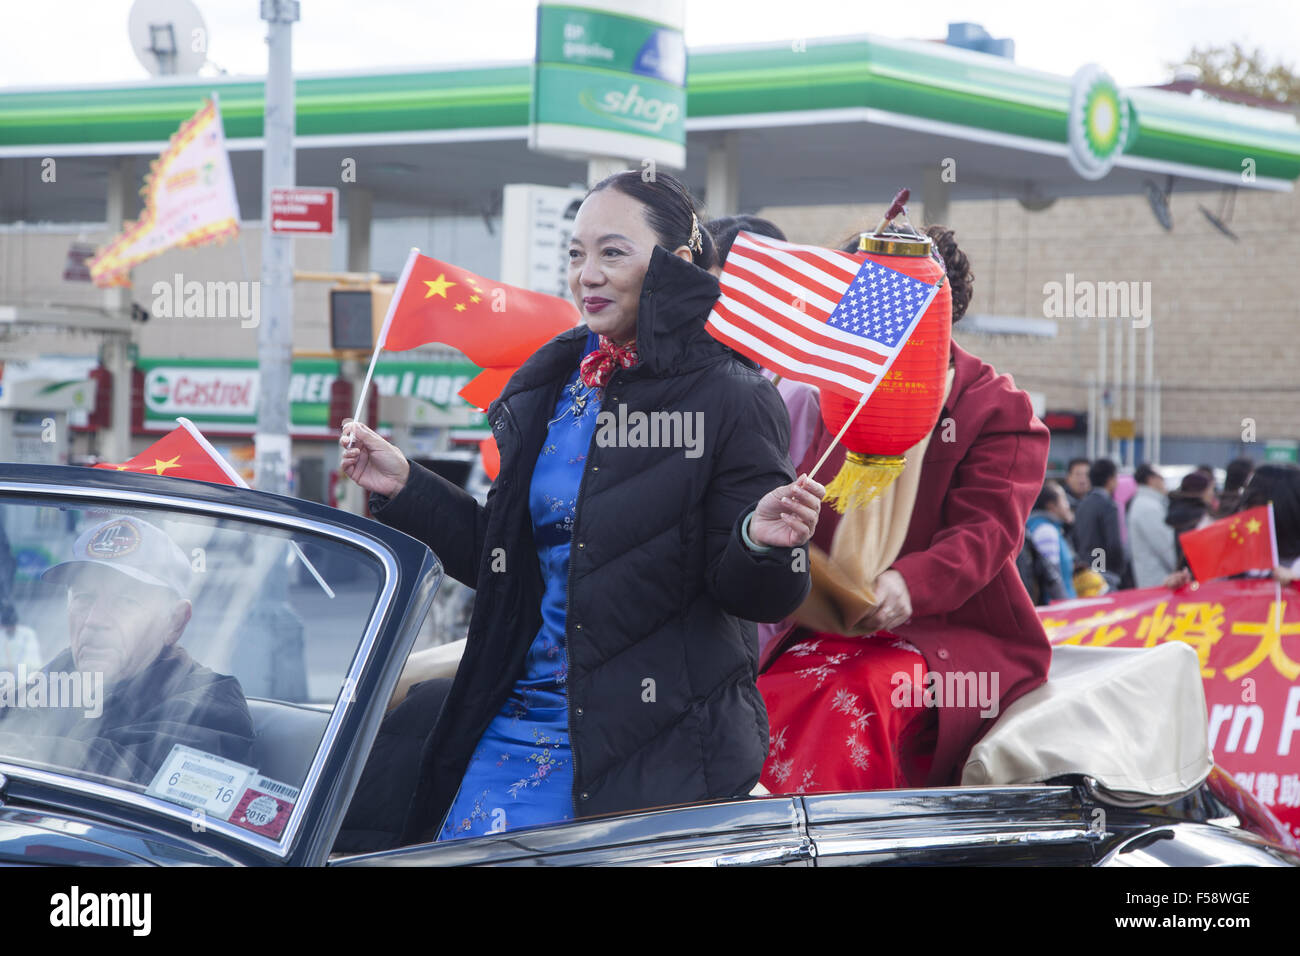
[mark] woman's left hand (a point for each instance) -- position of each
(786, 517)
(894, 605)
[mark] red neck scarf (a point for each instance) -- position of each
(597, 367)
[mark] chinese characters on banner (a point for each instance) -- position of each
(1249, 648)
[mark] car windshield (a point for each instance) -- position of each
(192, 659)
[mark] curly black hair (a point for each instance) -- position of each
(960, 275)
(955, 264)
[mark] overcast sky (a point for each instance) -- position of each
(53, 42)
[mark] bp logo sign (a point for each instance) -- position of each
(1099, 122)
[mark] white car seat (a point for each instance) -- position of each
(1133, 719)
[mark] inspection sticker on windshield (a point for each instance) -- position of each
(201, 780)
(265, 806)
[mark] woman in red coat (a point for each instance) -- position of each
(953, 639)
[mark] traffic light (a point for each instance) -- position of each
(356, 314)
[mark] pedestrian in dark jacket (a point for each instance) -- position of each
(611, 660)
(1190, 507)
(1096, 526)
(1237, 475)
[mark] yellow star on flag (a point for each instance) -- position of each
(120, 467)
(160, 466)
(438, 286)
(459, 306)
(473, 298)
(1253, 525)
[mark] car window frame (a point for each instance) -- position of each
(30, 492)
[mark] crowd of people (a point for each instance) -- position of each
(1088, 535)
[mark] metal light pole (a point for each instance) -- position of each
(275, 331)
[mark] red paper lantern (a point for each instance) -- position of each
(905, 405)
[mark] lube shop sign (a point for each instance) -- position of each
(609, 79)
(222, 395)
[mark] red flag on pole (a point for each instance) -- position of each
(182, 453)
(1245, 541)
(497, 326)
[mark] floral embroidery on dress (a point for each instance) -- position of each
(807, 781)
(780, 770)
(568, 508)
(478, 812)
(804, 648)
(778, 742)
(826, 668)
(845, 702)
(544, 759)
(550, 449)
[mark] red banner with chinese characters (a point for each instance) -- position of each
(1248, 643)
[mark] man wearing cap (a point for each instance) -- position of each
(127, 583)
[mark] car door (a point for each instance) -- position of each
(293, 621)
(958, 826)
(766, 831)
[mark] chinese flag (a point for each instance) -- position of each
(182, 453)
(1245, 541)
(497, 326)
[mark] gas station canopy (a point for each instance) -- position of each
(822, 122)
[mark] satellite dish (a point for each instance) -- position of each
(1033, 199)
(1226, 207)
(168, 36)
(1158, 199)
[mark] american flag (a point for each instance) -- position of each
(816, 315)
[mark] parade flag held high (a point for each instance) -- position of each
(189, 200)
(1245, 541)
(496, 326)
(820, 316)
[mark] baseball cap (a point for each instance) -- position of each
(133, 547)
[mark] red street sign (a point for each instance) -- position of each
(304, 211)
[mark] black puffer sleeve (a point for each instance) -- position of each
(753, 458)
(445, 517)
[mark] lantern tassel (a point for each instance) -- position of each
(862, 479)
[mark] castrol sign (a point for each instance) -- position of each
(198, 392)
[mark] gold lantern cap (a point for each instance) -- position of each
(895, 244)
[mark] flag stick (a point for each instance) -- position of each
(1272, 533)
(383, 334)
(238, 479)
(836, 440)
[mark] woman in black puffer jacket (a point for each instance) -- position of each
(611, 659)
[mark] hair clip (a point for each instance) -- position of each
(696, 243)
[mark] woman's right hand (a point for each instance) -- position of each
(374, 464)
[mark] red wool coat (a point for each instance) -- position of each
(970, 611)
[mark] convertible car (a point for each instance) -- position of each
(313, 612)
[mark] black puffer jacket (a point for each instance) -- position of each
(663, 706)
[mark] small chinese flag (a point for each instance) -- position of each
(182, 453)
(497, 326)
(1245, 541)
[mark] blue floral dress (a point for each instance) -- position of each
(521, 773)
